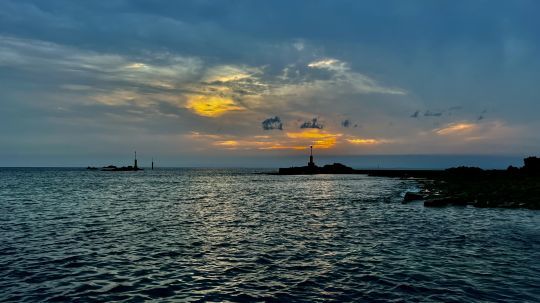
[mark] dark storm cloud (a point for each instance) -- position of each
(189, 25)
(314, 123)
(272, 123)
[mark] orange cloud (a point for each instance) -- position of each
(315, 137)
(361, 141)
(455, 128)
(211, 106)
(291, 141)
(228, 143)
(278, 146)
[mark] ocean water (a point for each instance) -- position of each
(183, 235)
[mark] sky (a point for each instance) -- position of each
(255, 83)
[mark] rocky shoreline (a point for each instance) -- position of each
(480, 188)
(459, 186)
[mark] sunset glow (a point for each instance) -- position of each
(364, 141)
(455, 128)
(185, 85)
(211, 106)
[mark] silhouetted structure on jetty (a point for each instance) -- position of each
(311, 163)
(312, 168)
(338, 168)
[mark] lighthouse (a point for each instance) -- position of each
(311, 163)
(135, 162)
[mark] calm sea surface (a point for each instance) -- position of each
(233, 235)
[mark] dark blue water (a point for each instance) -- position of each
(232, 235)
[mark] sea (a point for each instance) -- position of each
(242, 235)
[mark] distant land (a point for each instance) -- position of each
(426, 161)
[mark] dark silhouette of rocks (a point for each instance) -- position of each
(464, 170)
(409, 197)
(336, 168)
(135, 166)
(457, 186)
(446, 201)
(123, 168)
(510, 188)
(531, 165)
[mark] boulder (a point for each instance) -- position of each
(409, 196)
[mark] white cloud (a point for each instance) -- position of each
(359, 82)
(230, 73)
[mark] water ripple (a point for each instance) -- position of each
(200, 235)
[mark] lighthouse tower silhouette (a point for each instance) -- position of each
(311, 163)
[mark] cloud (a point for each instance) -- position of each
(272, 123)
(366, 141)
(299, 45)
(289, 141)
(329, 64)
(456, 128)
(346, 123)
(230, 73)
(211, 106)
(314, 123)
(132, 67)
(482, 116)
(342, 75)
(316, 137)
(432, 114)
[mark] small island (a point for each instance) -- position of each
(114, 168)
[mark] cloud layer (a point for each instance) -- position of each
(201, 78)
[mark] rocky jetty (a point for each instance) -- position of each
(409, 197)
(458, 186)
(336, 168)
(511, 188)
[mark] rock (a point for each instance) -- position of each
(412, 197)
(445, 202)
